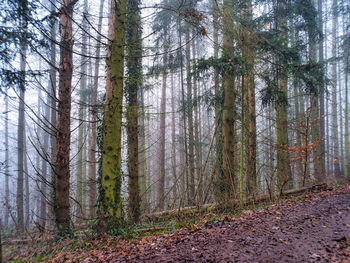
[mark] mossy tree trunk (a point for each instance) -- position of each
(132, 86)
(62, 164)
(110, 204)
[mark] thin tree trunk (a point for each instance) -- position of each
(335, 140)
(173, 142)
(7, 172)
(218, 101)
(26, 181)
(346, 148)
(62, 164)
(184, 116)
(53, 108)
(82, 97)
(143, 168)
(189, 107)
(20, 144)
(197, 141)
(321, 96)
(161, 153)
(340, 107)
(44, 172)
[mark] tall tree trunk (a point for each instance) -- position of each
(248, 52)
(20, 142)
(142, 153)
(92, 168)
(7, 172)
(322, 153)
(110, 196)
(82, 97)
(132, 86)
(347, 145)
(228, 184)
(335, 141)
(283, 174)
(44, 172)
(62, 164)
(340, 110)
(346, 148)
(161, 153)
(241, 146)
(218, 100)
(189, 107)
(26, 181)
(183, 131)
(197, 142)
(173, 141)
(315, 116)
(53, 107)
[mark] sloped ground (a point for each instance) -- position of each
(315, 230)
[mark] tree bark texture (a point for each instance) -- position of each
(132, 86)
(62, 164)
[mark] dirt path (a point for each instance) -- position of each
(316, 230)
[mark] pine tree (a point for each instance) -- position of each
(62, 164)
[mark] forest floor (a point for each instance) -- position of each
(310, 228)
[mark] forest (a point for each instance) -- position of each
(174, 131)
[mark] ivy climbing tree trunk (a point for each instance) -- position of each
(132, 86)
(110, 196)
(62, 164)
